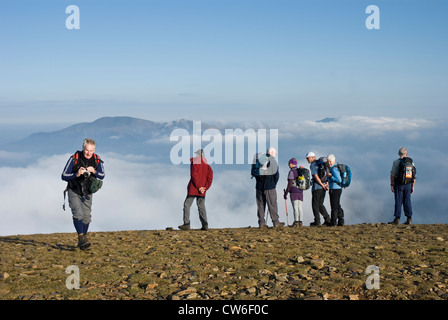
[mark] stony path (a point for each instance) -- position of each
(219, 264)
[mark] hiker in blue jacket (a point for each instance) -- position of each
(77, 170)
(334, 179)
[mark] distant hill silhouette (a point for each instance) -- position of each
(114, 134)
(123, 135)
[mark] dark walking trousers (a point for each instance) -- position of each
(317, 202)
(403, 198)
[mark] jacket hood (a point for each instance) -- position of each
(198, 160)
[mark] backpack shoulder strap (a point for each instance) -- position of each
(75, 157)
(97, 160)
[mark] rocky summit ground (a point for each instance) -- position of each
(354, 262)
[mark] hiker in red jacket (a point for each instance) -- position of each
(201, 179)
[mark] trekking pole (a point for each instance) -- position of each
(267, 215)
(286, 208)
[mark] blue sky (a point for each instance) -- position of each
(222, 60)
(257, 60)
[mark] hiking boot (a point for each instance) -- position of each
(300, 224)
(314, 224)
(204, 227)
(263, 226)
(83, 243)
(296, 224)
(184, 227)
(279, 224)
(408, 221)
(396, 221)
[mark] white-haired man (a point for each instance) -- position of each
(76, 172)
(402, 182)
(266, 191)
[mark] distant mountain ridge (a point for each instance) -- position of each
(113, 134)
(119, 134)
(117, 127)
(326, 120)
(124, 126)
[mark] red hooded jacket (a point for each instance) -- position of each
(201, 176)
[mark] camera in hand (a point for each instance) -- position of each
(86, 173)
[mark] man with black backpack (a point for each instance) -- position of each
(319, 173)
(402, 182)
(82, 172)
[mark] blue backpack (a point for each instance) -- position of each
(346, 175)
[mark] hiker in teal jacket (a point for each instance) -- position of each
(335, 180)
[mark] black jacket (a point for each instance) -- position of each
(76, 184)
(267, 182)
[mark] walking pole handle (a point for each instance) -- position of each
(286, 209)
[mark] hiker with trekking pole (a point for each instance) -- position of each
(286, 209)
(294, 188)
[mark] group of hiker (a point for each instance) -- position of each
(324, 174)
(84, 172)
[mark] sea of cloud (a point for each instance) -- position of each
(140, 194)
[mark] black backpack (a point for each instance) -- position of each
(263, 165)
(322, 169)
(259, 165)
(406, 171)
(303, 180)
